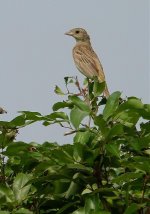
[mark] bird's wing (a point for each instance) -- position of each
(87, 62)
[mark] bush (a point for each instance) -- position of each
(106, 169)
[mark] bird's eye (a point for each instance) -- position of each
(77, 31)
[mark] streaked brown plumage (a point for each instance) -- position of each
(86, 60)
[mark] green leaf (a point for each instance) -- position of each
(101, 212)
(60, 184)
(83, 153)
(129, 112)
(60, 105)
(145, 127)
(73, 188)
(83, 137)
(140, 163)
(47, 166)
(4, 212)
(68, 80)
(6, 193)
(79, 211)
(20, 188)
(46, 123)
(6, 124)
(58, 91)
(111, 105)
(80, 167)
(132, 209)
(105, 191)
(57, 115)
(139, 143)
(29, 117)
(135, 103)
(23, 211)
(126, 177)
(144, 167)
(93, 203)
(64, 208)
(147, 107)
(128, 118)
(115, 131)
(77, 115)
(98, 88)
(62, 156)
(113, 149)
(146, 112)
(16, 148)
(78, 153)
(141, 159)
(102, 124)
(18, 121)
(82, 105)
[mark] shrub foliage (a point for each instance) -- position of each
(105, 170)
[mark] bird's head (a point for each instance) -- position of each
(79, 34)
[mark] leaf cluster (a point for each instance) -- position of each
(106, 169)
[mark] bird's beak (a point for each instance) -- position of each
(69, 33)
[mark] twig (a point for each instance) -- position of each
(69, 133)
(66, 127)
(144, 186)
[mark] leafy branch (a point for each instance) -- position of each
(105, 169)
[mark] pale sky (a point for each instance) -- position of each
(35, 55)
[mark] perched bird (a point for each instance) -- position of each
(2, 111)
(86, 60)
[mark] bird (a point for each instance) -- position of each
(86, 60)
(2, 111)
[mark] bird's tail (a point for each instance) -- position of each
(106, 92)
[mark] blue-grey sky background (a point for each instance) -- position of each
(35, 55)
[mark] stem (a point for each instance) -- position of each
(144, 187)
(3, 164)
(71, 132)
(66, 127)
(79, 88)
